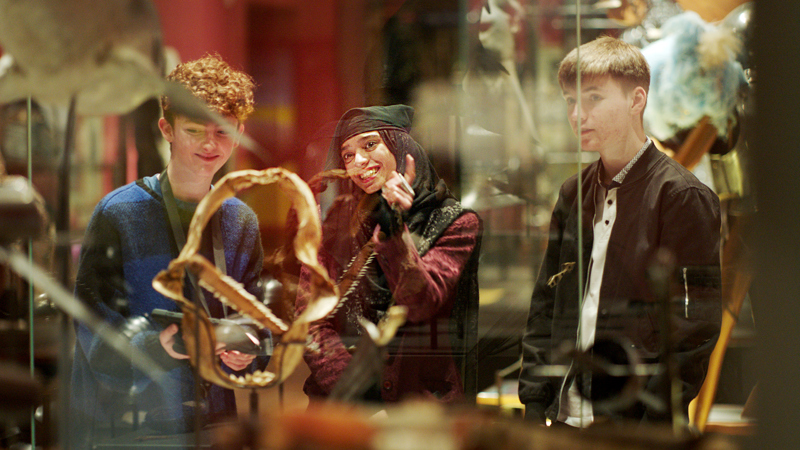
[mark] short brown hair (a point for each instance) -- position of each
(224, 89)
(606, 56)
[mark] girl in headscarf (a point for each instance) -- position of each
(424, 248)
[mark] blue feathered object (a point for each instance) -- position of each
(694, 73)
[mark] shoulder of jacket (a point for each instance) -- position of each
(443, 218)
(236, 210)
(677, 178)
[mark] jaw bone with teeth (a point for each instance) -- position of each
(198, 332)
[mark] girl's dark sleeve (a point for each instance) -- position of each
(427, 284)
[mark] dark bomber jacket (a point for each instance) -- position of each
(661, 205)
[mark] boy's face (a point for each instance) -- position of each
(607, 113)
(199, 147)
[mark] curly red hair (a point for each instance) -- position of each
(224, 89)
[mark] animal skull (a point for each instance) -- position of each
(323, 296)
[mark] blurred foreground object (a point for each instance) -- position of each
(367, 364)
(106, 57)
(324, 297)
(22, 209)
(422, 425)
(629, 13)
(108, 54)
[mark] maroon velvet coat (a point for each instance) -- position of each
(420, 358)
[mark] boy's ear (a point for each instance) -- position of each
(239, 133)
(166, 129)
(639, 99)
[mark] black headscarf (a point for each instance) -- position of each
(348, 225)
(393, 123)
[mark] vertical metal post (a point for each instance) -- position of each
(30, 258)
(776, 286)
(62, 264)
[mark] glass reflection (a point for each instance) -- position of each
(481, 77)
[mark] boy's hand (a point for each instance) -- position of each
(236, 360)
(167, 339)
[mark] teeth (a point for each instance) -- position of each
(257, 378)
(368, 173)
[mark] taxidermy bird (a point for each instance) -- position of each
(108, 54)
(694, 74)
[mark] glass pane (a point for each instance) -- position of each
(461, 249)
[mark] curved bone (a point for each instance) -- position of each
(324, 295)
(200, 343)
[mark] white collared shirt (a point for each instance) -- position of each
(575, 410)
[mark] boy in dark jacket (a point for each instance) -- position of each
(636, 203)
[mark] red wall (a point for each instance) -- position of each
(291, 41)
(290, 48)
(197, 27)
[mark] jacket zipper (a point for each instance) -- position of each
(686, 297)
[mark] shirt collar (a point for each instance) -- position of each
(620, 177)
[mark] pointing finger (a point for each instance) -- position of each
(411, 170)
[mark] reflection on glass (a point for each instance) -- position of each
(490, 114)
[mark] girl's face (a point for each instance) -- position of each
(368, 161)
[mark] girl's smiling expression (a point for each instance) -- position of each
(368, 161)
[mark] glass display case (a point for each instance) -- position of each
(440, 302)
